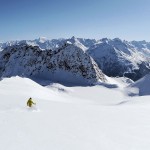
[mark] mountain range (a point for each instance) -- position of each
(74, 59)
(68, 64)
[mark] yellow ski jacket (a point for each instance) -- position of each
(30, 102)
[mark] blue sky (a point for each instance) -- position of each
(29, 19)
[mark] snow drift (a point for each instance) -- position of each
(143, 85)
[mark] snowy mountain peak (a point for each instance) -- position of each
(73, 38)
(77, 43)
(105, 40)
(42, 39)
(121, 58)
(68, 64)
(117, 40)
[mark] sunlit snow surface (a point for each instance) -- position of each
(72, 118)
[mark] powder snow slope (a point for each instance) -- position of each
(60, 122)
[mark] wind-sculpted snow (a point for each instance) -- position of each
(68, 64)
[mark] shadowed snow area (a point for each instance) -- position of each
(72, 118)
(142, 85)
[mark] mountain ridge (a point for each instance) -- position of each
(115, 57)
(68, 64)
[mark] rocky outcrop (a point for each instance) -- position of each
(68, 64)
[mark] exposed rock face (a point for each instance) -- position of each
(68, 64)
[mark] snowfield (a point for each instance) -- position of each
(72, 118)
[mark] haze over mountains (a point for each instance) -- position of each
(77, 57)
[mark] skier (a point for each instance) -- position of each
(30, 102)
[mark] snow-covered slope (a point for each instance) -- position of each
(68, 64)
(143, 85)
(63, 122)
